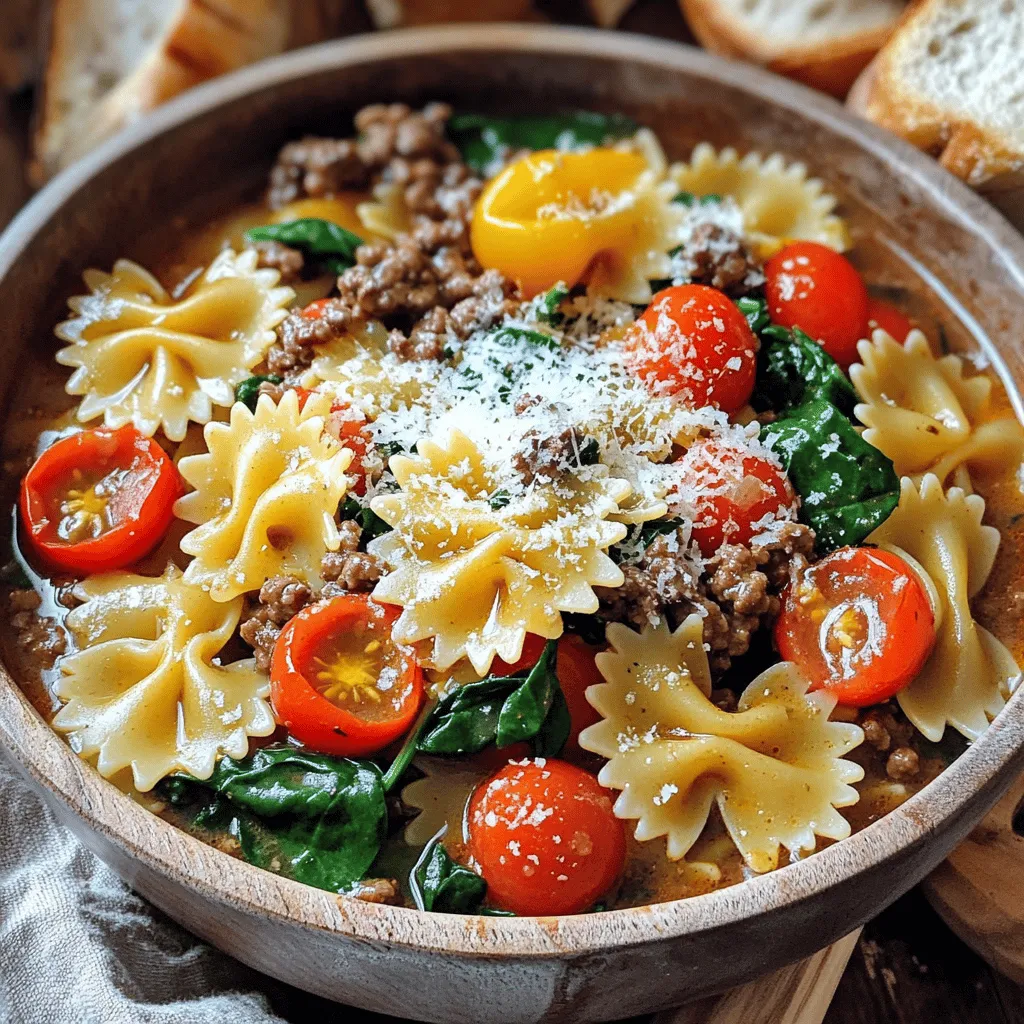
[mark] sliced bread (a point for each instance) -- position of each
(110, 61)
(951, 81)
(823, 43)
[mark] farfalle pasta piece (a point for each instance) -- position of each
(440, 796)
(266, 494)
(923, 412)
(142, 357)
(145, 687)
(969, 674)
(778, 201)
(775, 767)
(476, 578)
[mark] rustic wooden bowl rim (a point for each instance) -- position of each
(44, 756)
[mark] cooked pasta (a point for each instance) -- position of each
(923, 412)
(146, 689)
(476, 579)
(265, 496)
(774, 767)
(778, 201)
(143, 357)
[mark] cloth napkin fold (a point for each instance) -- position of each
(78, 946)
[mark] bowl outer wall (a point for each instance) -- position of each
(449, 968)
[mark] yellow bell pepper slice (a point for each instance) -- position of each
(554, 216)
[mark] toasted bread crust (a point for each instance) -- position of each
(882, 95)
(831, 67)
(206, 38)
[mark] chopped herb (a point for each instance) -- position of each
(442, 885)
(314, 818)
(547, 310)
(486, 141)
(499, 499)
(847, 486)
(689, 199)
(248, 391)
(321, 241)
(511, 335)
(389, 448)
(657, 528)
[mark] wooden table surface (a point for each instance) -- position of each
(908, 967)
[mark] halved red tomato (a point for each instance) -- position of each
(339, 683)
(99, 499)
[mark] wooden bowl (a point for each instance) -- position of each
(206, 147)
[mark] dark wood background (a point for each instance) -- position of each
(908, 967)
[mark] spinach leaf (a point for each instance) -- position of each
(523, 713)
(372, 525)
(248, 391)
(485, 141)
(792, 368)
(466, 720)
(656, 528)
(847, 486)
(689, 199)
(547, 311)
(321, 241)
(756, 312)
(317, 819)
(499, 499)
(589, 453)
(440, 884)
(501, 710)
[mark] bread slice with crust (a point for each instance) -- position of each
(110, 61)
(823, 43)
(951, 81)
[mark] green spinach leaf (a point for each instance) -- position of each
(590, 628)
(321, 241)
(440, 884)
(317, 819)
(689, 199)
(847, 486)
(524, 711)
(248, 391)
(486, 141)
(793, 369)
(501, 710)
(656, 528)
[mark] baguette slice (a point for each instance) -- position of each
(110, 61)
(951, 81)
(823, 43)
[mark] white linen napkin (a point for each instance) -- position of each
(78, 947)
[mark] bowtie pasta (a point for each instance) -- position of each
(528, 524)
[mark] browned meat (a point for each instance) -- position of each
(723, 261)
(282, 258)
(736, 595)
(280, 598)
(315, 167)
(545, 457)
(39, 637)
(348, 568)
(377, 890)
(425, 341)
(903, 764)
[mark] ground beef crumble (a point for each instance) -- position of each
(39, 637)
(887, 731)
(721, 259)
(348, 569)
(426, 286)
(288, 262)
(737, 594)
(280, 598)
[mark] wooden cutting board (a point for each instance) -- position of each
(977, 893)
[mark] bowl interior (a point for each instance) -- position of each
(915, 228)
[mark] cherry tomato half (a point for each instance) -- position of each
(338, 682)
(858, 623)
(885, 315)
(815, 288)
(734, 492)
(544, 837)
(692, 341)
(99, 499)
